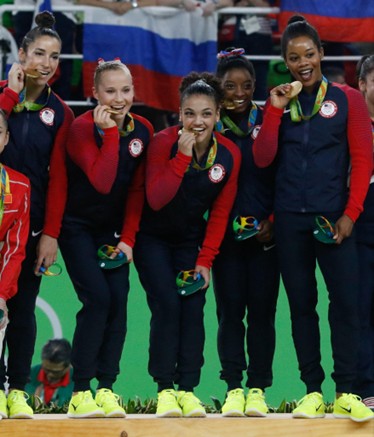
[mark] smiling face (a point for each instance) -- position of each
(41, 58)
(238, 86)
(198, 114)
(303, 58)
(116, 90)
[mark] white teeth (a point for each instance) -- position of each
(198, 129)
(239, 102)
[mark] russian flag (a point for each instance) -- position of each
(338, 20)
(159, 45)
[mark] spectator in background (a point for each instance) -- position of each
(8, 51)
(117, 7)
(334, 74)
(254, 34)
(65, 26)
(364, 384)
(121, 7)
(51, 380)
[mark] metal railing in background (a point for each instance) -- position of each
(225, 11)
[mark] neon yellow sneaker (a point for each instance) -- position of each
(83, 405)
(234, 403)
(17, 405)
(3, 405)
(190, 404)
(255, 405)
(109, 402)
(350, 406)
(310, 406)
(167, 404)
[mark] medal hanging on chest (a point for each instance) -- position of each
(295, 107)
(210, 158)
(226, 121)
(130, 126)
(30, 106)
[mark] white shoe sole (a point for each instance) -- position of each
(93, 414)
(170, 413)
(305, 416)
(252, 412)
(233, 413)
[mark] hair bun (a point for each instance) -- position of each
(45, 19)
(295, 19)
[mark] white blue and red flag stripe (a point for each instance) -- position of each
(338, 20)
(159, 45)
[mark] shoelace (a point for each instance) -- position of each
(350, 397)
(87, 397)
(235, 392)
(166, 395)
(20, 397)
(256, 396)
(311, 397)
(108, 396)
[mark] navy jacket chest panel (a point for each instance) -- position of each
(314, 151)
(183, 217)
(31, 140)
(197, 191)
(255, 185)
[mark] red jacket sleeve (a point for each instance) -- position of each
(164, 175)
(134, 206)
(265, 146)
(360, 141)
(219, 213)
(99, 164)
(57, 185)
(14, 233)
(8, 98)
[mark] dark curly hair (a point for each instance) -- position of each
(45, 22)
(201, 83)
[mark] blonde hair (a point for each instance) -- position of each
(104, 66)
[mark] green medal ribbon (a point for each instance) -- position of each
(30, 106)
(226, 121)
(4, 190)
(210, 159)
(295, 107)
(130, 126)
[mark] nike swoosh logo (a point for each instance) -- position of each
(35, 234)
(266, 248)
(117, 235)
(348, 410)
(286, 110)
